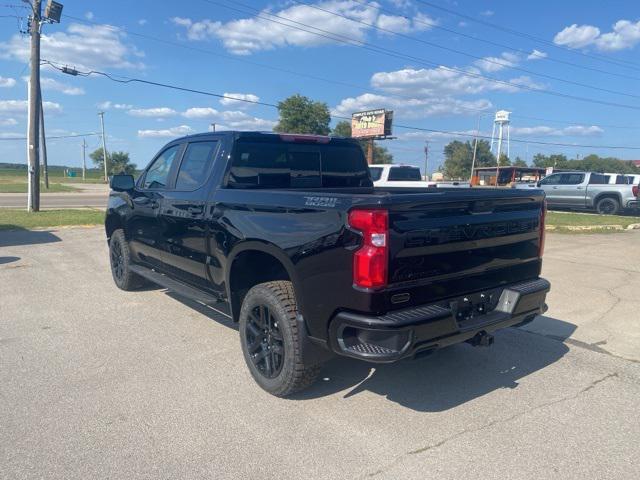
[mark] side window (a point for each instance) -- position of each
(376, 173)
(158, 174)
(597, 179)
(550, 180)
(571, 178)
(623, 180)
(195, 165)
(405, 174)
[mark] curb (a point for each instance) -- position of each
(583, 228)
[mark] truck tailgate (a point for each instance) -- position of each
(447, 244)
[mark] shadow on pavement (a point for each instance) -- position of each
(218, 313)
(18, 236)
(4, 260)
(450, 377)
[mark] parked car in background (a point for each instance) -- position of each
(589, 191)
(622, 178)
(407, 176)
(398, 176)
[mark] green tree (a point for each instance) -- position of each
(117, 162)
(504, 160)
(518, 162)
(458, 157)
(380, 154)
(342, 129)
(299, 114)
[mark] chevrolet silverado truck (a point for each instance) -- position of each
(588, 191)
(314, 262)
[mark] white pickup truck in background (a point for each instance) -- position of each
(406, 176)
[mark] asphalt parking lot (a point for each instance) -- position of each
(100, 383)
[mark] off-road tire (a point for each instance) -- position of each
(294, 375)
(608, 206)
(123, 277)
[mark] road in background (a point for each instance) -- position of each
(100, 383)
(94, 195)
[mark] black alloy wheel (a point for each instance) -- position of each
(265, 343)
(117, 261)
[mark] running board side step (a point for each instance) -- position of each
(175, 286)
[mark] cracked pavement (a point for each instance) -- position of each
(99, 383)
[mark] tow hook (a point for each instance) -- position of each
(482, 339)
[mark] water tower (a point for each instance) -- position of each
(499, 123)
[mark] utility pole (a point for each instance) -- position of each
(33, 200)
(370, 151)
(45, 169)
(475, 150)
(104, 148)
(84, 161)
(426, 161)
(213, 127)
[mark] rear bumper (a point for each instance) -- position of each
(404, 333)
(633, 204)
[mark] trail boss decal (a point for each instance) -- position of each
(321, 201)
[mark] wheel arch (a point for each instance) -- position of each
(254, 262)
(615, 195)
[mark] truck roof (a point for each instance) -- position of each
(262, 134)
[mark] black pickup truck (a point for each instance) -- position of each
(314, 261)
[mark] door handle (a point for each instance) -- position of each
(555, 188)
(579, 188)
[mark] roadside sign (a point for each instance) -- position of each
(372, 123)
(549, 171)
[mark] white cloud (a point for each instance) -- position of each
(232, 119)
(495, 64)
(8, 122)
(167, 132)
(11, 107)
(156, 112)
(536, 55)
(200, 112)
(108, 105)
(625, 35)
(250, 35)
(52, 84)
(7, 82)
(83, 46)
(487, 13)
(89, 15)
(442, 81)
(401, 24)
(411, 108)
(544, 131)
(576, 36)
(142, 21)
(237, 100)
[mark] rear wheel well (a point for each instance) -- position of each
(613, 196)
(248, 269)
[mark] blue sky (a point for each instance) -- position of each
(230, 47)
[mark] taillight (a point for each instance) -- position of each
(634, 189)
(370, 260)
(543, 215)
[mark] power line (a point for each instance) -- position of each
(129, 80)
(385, 51)
(326, 80)
(505, 64)
(492, 42)
(620, 63)
(55, 137)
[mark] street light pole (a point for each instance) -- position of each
(475, 150)
(104, 148)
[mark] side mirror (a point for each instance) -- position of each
(122, 183)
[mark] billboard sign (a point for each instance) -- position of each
(371, 124)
